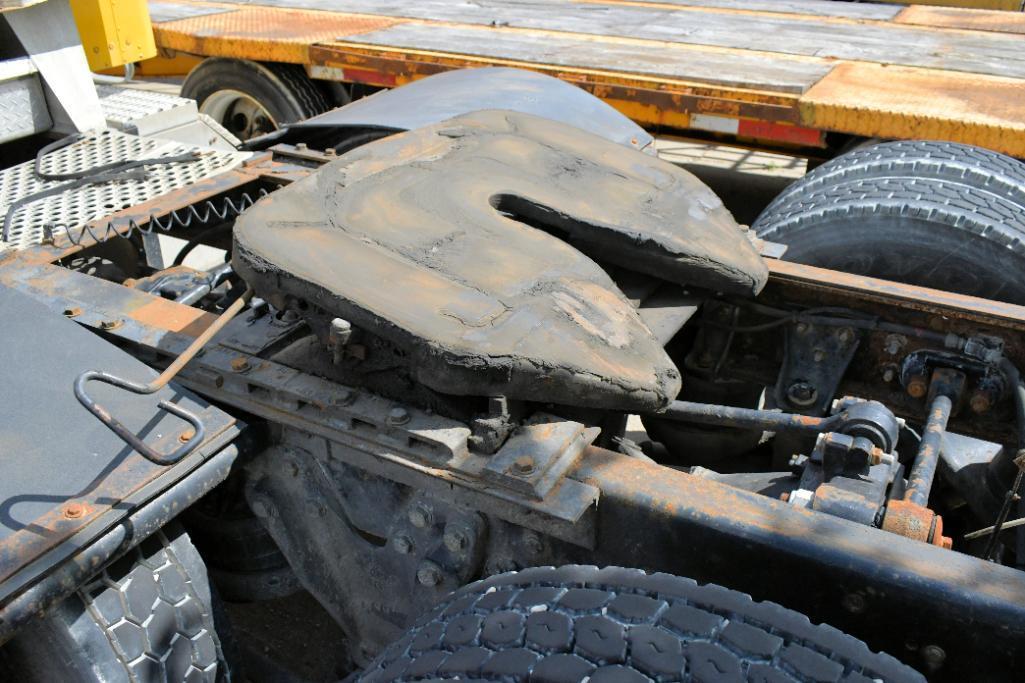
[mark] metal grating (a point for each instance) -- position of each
(122, 104)
(23, 109)
(71, 210)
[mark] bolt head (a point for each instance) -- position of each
(524, 465)
(934, 656)
(420, 516)
(980, 402)
(854, 603)
(240, 364)
(533, 543)
(429, 573)
(917, 387)
(402, 544)
(802, 393)
(74, 510)
(398, 416)
(455, 538)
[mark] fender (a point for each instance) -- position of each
(454, 93)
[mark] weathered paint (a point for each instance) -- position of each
(876, 100)
(977, 20)
(262, 33)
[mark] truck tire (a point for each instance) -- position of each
(147, 617)
(577, 623)
(936, 214)
(254, 98)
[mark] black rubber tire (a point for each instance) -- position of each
(284, 90)
(614, 624)
(936, 214)
(148, 617)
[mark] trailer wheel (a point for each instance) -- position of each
(579, 623)
(150, 616)
(253, 98)
(936, 214)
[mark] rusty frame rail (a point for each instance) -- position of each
(666, 520)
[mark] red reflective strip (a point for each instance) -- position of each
(782, 132)
(369, 77)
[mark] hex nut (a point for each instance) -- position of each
(917, 386)
(455, 538)
(421, 516)
(801, 393)
(524, 465)
(429, 573)
(533, 543)
(980, 401)
(854, 603)
(74, 510)
(402, 545)
(398, 416)
(934, 656)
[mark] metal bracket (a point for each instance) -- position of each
(538, 455)
(116, 426)
(816, 359)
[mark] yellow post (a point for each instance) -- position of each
(114, 32)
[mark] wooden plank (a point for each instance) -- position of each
(741, 69)
(821, 8)
(901, 103)
(260, 33)
(975, 20)
(1012, 5)
(884, 43)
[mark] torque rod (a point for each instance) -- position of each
(747, 418)
(126, 435)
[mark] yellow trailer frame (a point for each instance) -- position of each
(798, 74)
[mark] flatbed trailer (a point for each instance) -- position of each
(812, 76)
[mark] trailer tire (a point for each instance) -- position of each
(577, 622)
(935, 214)
(150, 616)
(253, 98)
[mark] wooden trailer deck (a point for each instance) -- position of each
(769, 73)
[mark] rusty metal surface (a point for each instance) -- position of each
(794, 277)
(262, 33)
(974, 610)
(92, 479)
(649, 102)
(487, 303)
(951, 89)
(917, 522)
(882, 101)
